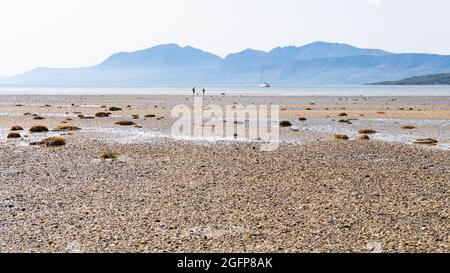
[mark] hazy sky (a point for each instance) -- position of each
(71, 33)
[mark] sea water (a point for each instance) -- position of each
(309, 90)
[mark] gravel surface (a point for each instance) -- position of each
(328, 196)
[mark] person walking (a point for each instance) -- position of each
(193, 91)
(204, 91)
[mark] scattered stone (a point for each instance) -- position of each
(150, 116)
(38, 118)
(302, 119)
(342, 115)
(115, 109)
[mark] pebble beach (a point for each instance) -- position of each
(154, 193)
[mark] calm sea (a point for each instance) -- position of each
(348, 90)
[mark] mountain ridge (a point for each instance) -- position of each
(314, 63)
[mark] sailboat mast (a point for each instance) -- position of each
(262, 73)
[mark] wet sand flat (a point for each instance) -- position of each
(313, 194)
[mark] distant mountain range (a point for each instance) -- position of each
(438, 79)
(170, 64)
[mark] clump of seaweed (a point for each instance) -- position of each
(347, 121)
(125, 123)
(38, 129)
(13, 135)
(363, 137)
(341, 137)
(102, 114)
(64, 128)
(53, 142)
(408, 127)
(85, 117)
(16, 128)
(367, 131)
(109, 155)
(285, 123)
(426, 141)
(115, 109)
(150, 116)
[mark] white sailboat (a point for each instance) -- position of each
(261, 83)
